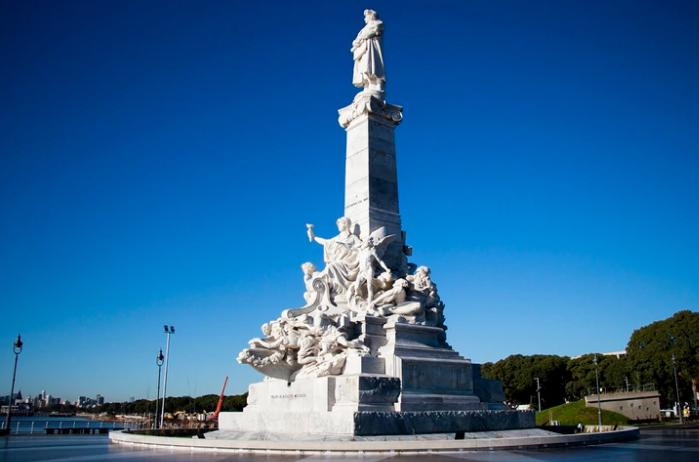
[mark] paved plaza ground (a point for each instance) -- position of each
(654, 445)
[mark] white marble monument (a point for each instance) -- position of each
(367, 353)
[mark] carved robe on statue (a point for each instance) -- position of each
(368, 56)
(341, 261)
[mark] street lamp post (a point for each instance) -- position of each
(677, 389)
(168, 331)
(159, 361)
(538, 391)
(599, 399)
(17, 348)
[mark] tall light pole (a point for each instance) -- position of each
(168, 331)
(17, 348)
(599, 399)
(677, 389)
(538, 391)
(159, 361)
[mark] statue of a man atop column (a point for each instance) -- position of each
(368, 55)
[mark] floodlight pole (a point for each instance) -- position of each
(677, 390)
(538, 391)
(17, 348)
(599, 399)
(168, 331)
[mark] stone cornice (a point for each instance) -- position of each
(368, 104)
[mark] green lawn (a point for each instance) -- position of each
(576, 412)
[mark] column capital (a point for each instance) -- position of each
(366, 103)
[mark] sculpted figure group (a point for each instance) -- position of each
(316, 339)
(302, 346)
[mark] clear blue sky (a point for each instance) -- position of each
(159, 161)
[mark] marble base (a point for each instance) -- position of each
(368, 446)
(361, 405)
(412, 423)
(410, 382)
(370, 423)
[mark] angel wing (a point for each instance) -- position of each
(381, 240)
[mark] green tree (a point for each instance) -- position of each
(650, 352)
(517, 373)
(205, 403)
(235, 403)
(613, 373)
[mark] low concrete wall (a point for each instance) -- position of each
(636, 405)
(368, 447)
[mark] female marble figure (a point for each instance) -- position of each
(339, 254)
(368, 54)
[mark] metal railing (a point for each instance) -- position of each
(44, 426)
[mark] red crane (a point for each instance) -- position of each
(220, 401)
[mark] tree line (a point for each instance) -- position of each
(648, 362)
(205, 403)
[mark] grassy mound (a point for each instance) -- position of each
(576, 412)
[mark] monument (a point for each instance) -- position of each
(367, 354)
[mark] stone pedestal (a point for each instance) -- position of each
(411, 382)
(433, 376)
(320, 406)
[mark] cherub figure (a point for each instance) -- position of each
(422, 281)
(424, 290)
(422, 284)
(309, 271)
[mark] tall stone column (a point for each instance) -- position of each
(371, 181)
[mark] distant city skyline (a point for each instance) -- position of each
(45, 399)
(159, 164)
